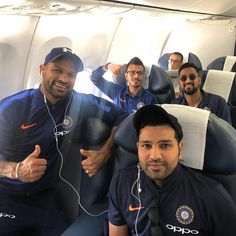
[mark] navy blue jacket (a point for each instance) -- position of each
(25, 122)
(211, 102)
(189, 204)
(120, 94)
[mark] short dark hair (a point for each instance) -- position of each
(188, 65)
(155, 115)
(135, 61)
(178, 54)
(159, 123)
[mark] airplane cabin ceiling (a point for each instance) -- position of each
(191, 9)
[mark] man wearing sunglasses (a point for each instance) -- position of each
(192, 94)
(131, 96)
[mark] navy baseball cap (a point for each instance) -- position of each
(155, 113)
(65, 52)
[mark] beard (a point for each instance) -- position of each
(188, 91)
(135, 83)
(57, 90)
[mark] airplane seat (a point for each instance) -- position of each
(192, 58)
(125, 138)
(223, 83)
(163, 61)
(222, 63)
(229, 62)
(203, 74)
(217, 64)
(92, 192)
(232, 95)
(233, 115)
(209, 150)
(160, 84)
(220, 83)
(232, 103)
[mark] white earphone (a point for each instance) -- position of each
(41, 75)
(66, 124)
(138, 179)
(137, 197)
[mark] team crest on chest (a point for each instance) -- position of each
(206, 108)
(140, 104)
(184, 215)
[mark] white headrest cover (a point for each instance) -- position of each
(229, 62)
(219, 82)
(194, 124)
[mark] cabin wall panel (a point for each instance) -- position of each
(207, 39)
(15, 42)
(89, 36)
(143, 37)
(25, 40)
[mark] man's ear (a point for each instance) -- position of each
(178, 81)
(41, 69)
(180, 150)
(126, 75)
(200, 80)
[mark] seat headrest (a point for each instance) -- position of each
(91, 133)
(229, 62)
(160, 84)
(163, 61)
(232, 96)
(217, 141)
(217, 64)
(222, 63)
(219, 82)
(192, 58)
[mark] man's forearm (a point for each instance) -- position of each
(8, 169)
(108, 146)
(97, 74)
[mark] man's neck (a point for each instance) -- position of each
(194, 99)
(134, 90)
(47, 95)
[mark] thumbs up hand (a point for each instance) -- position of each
(32, 168)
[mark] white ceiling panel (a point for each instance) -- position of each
(191, 8)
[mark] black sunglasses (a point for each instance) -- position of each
(154, 217)
(192, 77)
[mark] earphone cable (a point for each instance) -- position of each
(138, 198)
(62, 159)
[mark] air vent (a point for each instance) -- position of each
(27, 7)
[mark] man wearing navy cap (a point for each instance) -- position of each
(33, 126)
(160, 196)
